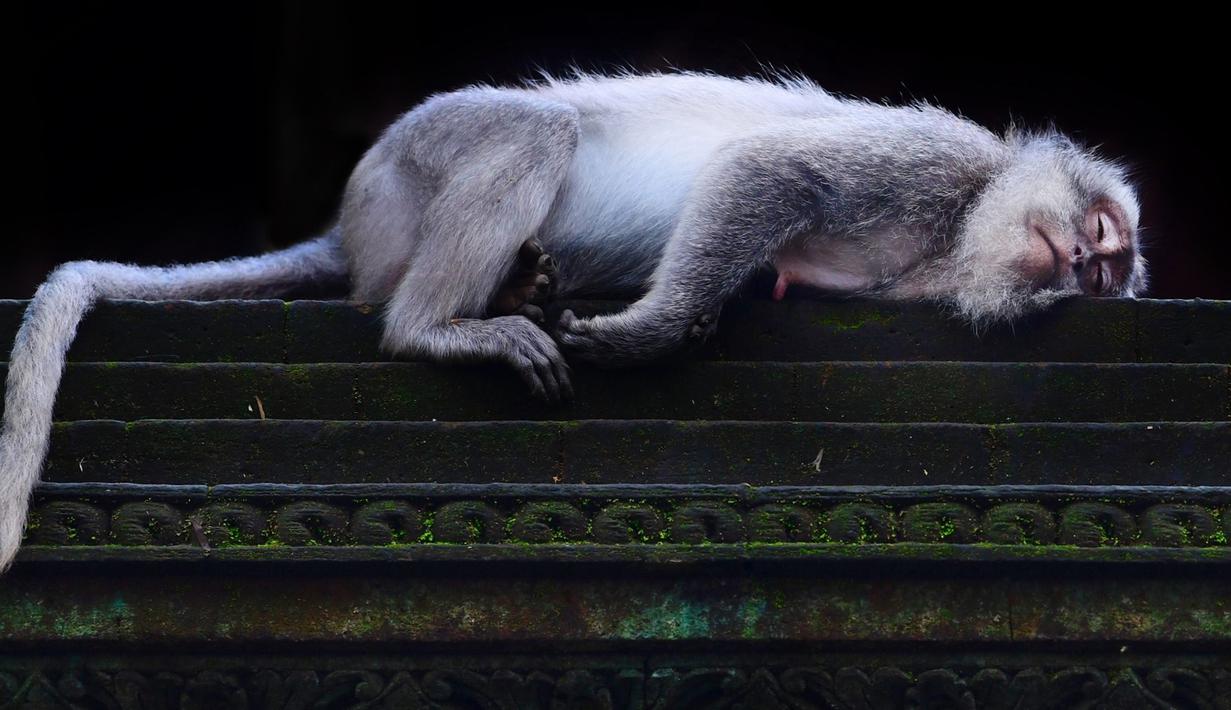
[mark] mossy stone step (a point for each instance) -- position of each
(1080, 330)
(652, 451)
(654, 526)
(985, 393)
(670, 540)
(580, 612)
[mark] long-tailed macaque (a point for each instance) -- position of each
(477, 203)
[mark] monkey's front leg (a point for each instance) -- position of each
(743, 210)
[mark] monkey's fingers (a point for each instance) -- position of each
(564, 377)
(547, 375)
(573, 335)
(569, 323)
(537, 359)
(530, 367)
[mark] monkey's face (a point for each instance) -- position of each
(1093, 252)
(1079, 215)
(1056, 221)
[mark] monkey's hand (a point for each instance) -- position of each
(512, 339)
(635, 336)
(535, 357)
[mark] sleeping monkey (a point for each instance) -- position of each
(476, 204)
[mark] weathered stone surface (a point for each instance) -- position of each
(834, 505)
(886, 678)
(587, 452)
(170, 331)
(985, 393)
(393, 607)
(656, 523)
(1176, 331)
(1080, 330)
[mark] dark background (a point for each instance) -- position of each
(181, 132)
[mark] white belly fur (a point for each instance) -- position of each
(629, 181)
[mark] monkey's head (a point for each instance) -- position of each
(1056, 221)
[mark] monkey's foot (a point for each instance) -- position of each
(630, 337)
(531, 284)
(702, 328)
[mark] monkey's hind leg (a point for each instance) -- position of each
(531, 284)
(500, 158)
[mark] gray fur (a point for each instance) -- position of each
(673, 187)
(51, 321)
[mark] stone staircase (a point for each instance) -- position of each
(832, 505)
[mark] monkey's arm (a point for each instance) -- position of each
(748, 203)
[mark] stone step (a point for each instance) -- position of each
(986, 393)
(389, 610)
(639, 451)
(669, 540)
(908, 665)
(1080, 330)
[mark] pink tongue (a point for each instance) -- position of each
(780, 287)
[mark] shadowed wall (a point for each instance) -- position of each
(177, 133)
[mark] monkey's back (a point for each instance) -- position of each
(642, 143)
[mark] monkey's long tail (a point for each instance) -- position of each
(50, 324)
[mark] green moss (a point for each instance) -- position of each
(1213, 624)
(777, 598)
(299, 375)
(233, 535)
(671, 618)
(427, 537)
(849, 322)
(750, 613)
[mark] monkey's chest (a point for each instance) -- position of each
(845, 265)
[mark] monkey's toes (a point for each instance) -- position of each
(532, 312)
(529, 253)
(531, 283)
(702, 328)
